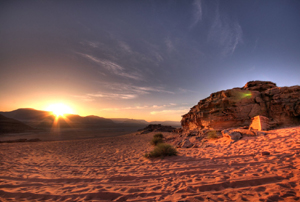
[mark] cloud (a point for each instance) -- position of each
(109, 109)
(170, 105)
(112, 95)
(133, 89)
(147, 90)
(170, 111)
(197, 14)
(125, 47)
(121, 91)
(113, 67)
(90, 44)
(183, 90)
(225, 33)
(169, 44)
(85, 98)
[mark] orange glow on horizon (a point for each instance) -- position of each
(59, 109)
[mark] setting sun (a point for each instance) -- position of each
(59, 109)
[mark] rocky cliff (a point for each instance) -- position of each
(236, 107)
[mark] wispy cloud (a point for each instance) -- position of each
(125, 47)
(122, 91)
(125, 108)
(197, 13)
(178, 109)
(113, 67)
(112, 95)
(183, 90)
(225, 33)
(170, 45)
(147, 90)
(134, 89)
(84, 98)
(170, 111)
(109, 109)
(92, 44)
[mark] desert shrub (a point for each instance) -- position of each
(162, 150)
(156, 140)
(159, 135)
(212, 135)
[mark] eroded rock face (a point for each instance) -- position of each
(236, 107)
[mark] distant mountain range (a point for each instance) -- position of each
(43, 119)
(8, 125)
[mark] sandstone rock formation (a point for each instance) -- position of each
(236, 107)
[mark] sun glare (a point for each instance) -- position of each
(59, 109)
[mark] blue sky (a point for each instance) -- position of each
(151, 60)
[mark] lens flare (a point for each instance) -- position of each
(246, 95)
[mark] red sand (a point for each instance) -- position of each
(114, 169)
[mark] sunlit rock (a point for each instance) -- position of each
(236, 107)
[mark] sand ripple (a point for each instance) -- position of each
(114, 169)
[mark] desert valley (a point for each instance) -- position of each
(156, 101)
(225, 160)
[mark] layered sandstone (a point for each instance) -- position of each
(236, 107)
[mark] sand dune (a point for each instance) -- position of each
(114, 169)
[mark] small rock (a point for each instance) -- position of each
(265, 153)
(186, 144)
(260, 133)
(235, 136)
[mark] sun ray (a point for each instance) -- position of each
(59, 109)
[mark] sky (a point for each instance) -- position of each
(151, 60)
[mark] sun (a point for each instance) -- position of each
(59, 109)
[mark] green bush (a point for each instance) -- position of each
(159, 135)
(212, 135)
(156, 140)
(162, 150)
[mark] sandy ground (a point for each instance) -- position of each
(114, 169)
(69, 133)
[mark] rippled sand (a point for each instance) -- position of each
(114, 169)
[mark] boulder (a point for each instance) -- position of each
(244, 132)
(233, 135)
(237, 107)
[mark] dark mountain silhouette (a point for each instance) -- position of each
(45, 119)
(9, 125)
(143, 122)
(26, 114)
(129, 121)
